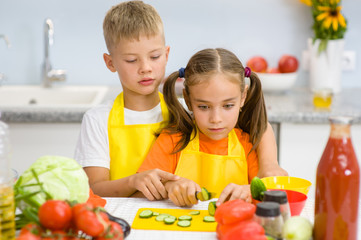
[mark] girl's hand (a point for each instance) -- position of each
(151, 183)
(182, 192)
(271, 170)
(234, 191)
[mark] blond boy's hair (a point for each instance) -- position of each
(129, 20)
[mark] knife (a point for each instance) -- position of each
(204, 195)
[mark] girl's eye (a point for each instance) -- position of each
(203, 107)
(155, 57)
(131, 60)
(228, 105)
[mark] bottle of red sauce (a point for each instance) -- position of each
(337, 185)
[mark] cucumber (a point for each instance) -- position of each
(212, 208)
(257, 189)
(208, 219)
(155, 213)
(185, 217)
(205, 194)
(146, 214)
(169, 220)
(184, 223)
(195, 213)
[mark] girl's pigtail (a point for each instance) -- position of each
(180, 121)
(253, 117)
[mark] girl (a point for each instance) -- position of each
(214, 147)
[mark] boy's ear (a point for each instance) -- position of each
(186, 99)
(244, 95)
(109, 62)
(167, 49)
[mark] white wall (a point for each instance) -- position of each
(254, 27)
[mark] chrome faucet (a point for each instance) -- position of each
(6, 39)
(50, 75)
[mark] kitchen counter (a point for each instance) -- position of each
(293, 106)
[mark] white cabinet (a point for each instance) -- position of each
(30, 141)
(302, 145)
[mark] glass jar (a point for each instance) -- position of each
(337, 185)
(268, 215)
(279, 197)
(7, 205)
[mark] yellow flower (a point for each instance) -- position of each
(331, 16)
(307, 2)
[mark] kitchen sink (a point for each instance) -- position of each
(13, 96)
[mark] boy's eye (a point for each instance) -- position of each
(130, 60)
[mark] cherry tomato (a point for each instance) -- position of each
(28, 236)
(55, 214)
(32, 228)
(88, 222)
(114, 232)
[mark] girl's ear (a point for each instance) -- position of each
(186, 99)
(109, 62)
(244, 95)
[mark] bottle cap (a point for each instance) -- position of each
(275, 196)
(268, 209)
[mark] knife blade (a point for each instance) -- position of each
(200, 197)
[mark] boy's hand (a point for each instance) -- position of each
(234, 191)
(150, 183)
(182, 192)
(271, 170)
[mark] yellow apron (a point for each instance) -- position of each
(214, 172)
(130, 144)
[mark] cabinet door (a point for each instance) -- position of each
(302, 145)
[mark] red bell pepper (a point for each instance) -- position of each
(244, 230)
(234, 211)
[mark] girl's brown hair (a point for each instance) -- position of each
(253, 117)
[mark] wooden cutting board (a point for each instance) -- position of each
(197, 223)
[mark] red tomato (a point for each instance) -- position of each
(273, 70)
(28, 236)
(55, 214)
(32, 228)
(234, 211)
(88, 222)
(114, 232)
(257, 64)
(56, 235)
(288, 64)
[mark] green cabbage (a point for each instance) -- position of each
(62, 178)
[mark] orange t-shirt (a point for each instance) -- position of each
(160, 155)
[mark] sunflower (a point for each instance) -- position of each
(330, 16)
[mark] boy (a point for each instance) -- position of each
(114, 140)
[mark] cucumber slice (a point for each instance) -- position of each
(161, 217)
(212, 208)
(169, 220)
(155, 213)
(146, 214)
(205, 194)
(208, 219)
(184, 223)
(194, 213)
(185, 217)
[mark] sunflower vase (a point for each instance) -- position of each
(326, 66)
